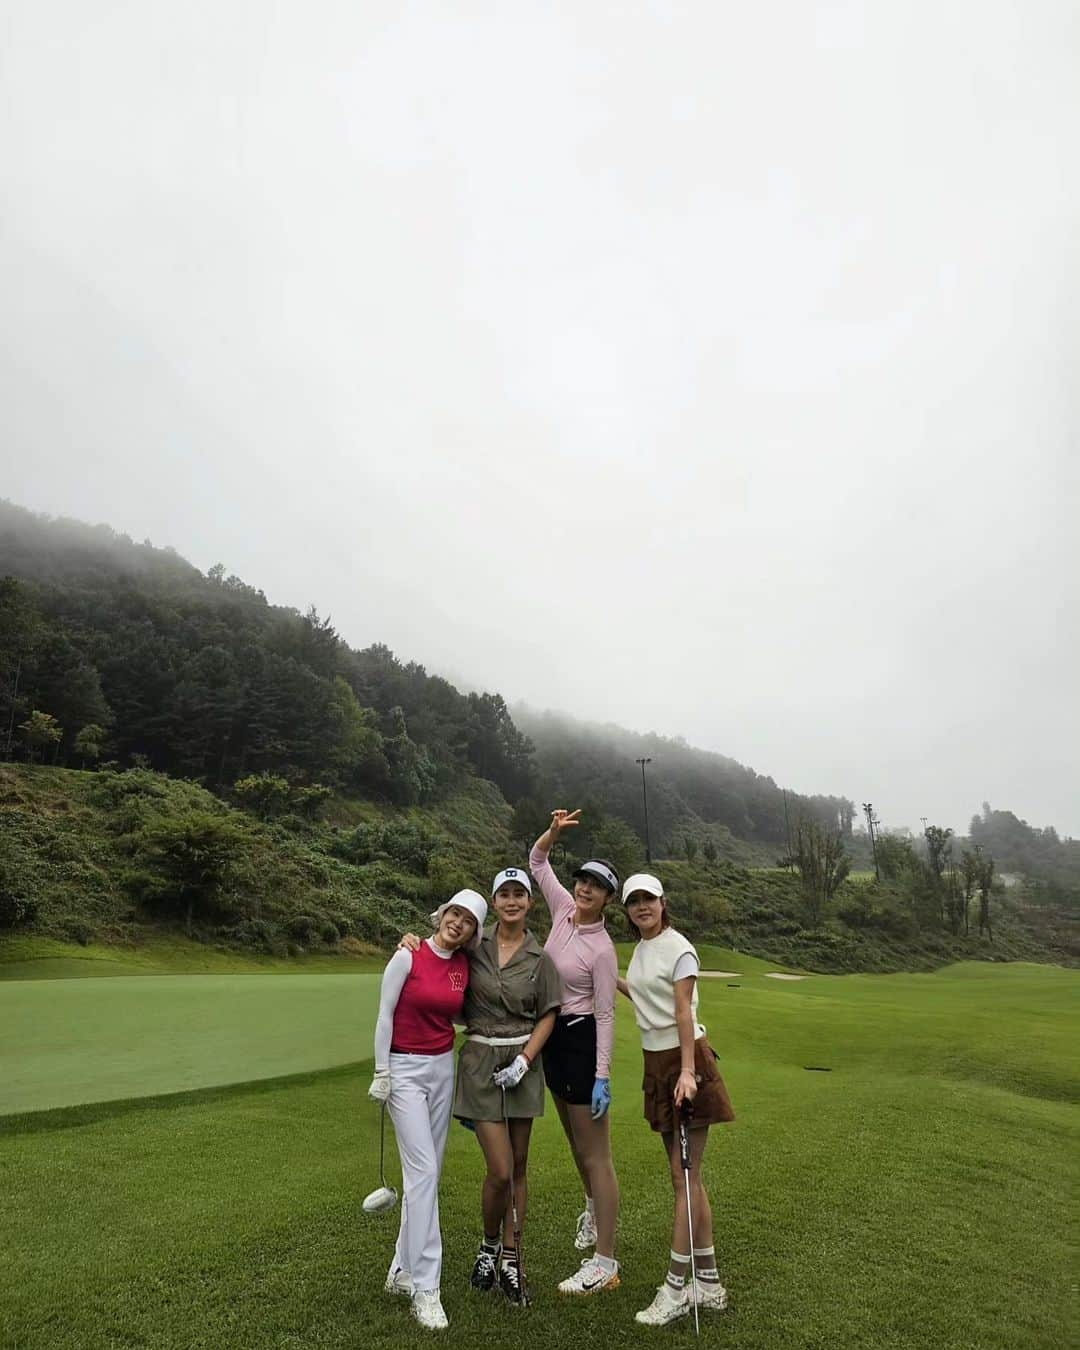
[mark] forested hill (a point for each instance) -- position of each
(691, 793)
(201, 677)
(270, 787)
(116, 651)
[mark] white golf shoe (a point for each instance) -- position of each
(398, 1281)
(585, 1237)
(664, 1308)
(711, 1296)
(590, 1278)
(428, 1310)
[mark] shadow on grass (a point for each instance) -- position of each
(90, 1113)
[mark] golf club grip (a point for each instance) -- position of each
(684, 1146)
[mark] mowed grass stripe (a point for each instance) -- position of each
(887, 1203)
(67, 1042)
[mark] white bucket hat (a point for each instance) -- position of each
(642, 881)
(477, 907)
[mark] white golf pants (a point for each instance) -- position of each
(421, 1095)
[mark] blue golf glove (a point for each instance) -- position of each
(601, 1097)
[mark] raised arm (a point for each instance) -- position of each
(558, 898)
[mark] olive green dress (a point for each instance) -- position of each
(504, 1003)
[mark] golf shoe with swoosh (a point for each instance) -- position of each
(590, 1278)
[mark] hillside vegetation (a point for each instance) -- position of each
(116, 859)
(184, 757)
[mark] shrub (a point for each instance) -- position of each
(305, 928)
(79, 932)
(16, 909)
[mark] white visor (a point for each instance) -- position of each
(599, 872)
(516, 874)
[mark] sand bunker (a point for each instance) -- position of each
(720, 974)
(779, 975)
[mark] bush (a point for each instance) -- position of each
(79, 932)
(305, 928)
(328, 931)
(255, 933)
(16, 909)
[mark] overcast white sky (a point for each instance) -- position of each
(706, 367)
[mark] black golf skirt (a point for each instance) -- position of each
(570, 1058)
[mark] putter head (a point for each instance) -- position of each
(381, 1201)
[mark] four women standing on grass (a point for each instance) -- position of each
(559, 1001)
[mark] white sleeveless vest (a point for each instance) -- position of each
(652, 989)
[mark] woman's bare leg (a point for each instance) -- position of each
(702, 1210)
(592, 1145)
(495, 1193)
(563, 1109)
(520, 1132)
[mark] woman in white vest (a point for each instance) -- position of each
(680, 1067)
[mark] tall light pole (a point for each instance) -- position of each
(871, 821)
(645, 801)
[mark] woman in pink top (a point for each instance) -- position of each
(577, 1057)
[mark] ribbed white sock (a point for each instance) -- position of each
(705, 1261)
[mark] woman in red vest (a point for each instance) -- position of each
(422, 996)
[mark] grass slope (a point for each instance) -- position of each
(914, 1196)
(74, 1041)
(29, 956)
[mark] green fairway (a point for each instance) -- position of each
(915, 1195)
(72, 1041)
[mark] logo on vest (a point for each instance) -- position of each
(457, 981)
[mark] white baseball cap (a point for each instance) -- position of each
(517, 874)
(477, 907)
(642, 881)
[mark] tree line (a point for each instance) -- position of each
(117, 652)
(120, 651)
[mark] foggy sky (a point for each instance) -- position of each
(707, 368)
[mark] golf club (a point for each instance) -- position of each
(684, 1154)
(385, 1198)
(518, 1239)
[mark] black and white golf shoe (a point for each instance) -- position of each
(485, 1271)
(512, 1285)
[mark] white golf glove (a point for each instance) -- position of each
(512, 1075)
(379, 1091)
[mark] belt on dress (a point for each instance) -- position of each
(498, 1040)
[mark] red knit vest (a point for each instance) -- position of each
(430, 999)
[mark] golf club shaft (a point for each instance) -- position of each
(684, 1153)
(382, 1144)
(518, 1237)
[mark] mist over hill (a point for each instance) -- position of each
(124, 652)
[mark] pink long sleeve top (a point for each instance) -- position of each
(584, 956)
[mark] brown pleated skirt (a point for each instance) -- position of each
(712, 1105)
